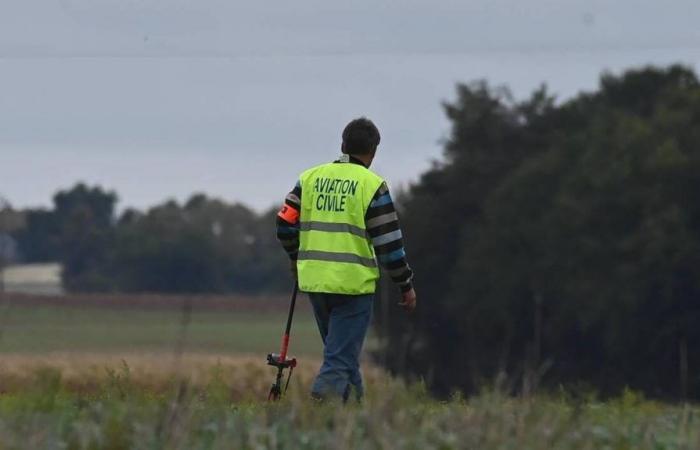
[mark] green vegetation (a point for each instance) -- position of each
(42, 329)
(116, 412)
(559, 242)
(203, 245)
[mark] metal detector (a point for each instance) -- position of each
(280, 360)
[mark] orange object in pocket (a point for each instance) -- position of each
(289, 214)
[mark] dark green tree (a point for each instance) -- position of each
(559, 243)
(39, 238)
(205, 245)
(84, 217)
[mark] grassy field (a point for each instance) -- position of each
(91, 329)
(239, 328)
(221, 408)
(135, 373)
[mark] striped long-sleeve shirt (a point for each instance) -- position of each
(381, 223)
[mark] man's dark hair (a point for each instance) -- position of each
(360, 137)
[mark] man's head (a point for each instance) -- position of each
(360, 139)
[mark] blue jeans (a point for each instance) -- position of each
(343, 321)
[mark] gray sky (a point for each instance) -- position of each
(158, 99)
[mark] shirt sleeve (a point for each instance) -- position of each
(288, 222)
(382, 224)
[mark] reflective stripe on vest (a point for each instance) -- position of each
(333, 228)
(336, 257)
(335, 252)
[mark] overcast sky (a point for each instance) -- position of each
(157, 99)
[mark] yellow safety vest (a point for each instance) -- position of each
(335, 253)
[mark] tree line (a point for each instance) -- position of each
(203, 245)
(558, 244)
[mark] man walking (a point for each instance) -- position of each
(335, 224)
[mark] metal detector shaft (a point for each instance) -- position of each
(280, 361)
(288, 329)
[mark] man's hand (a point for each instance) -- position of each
(409, 300)
(293, 268)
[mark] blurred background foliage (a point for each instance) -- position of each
(202, 246)
(559, 243)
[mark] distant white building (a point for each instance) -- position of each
(37, 279)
